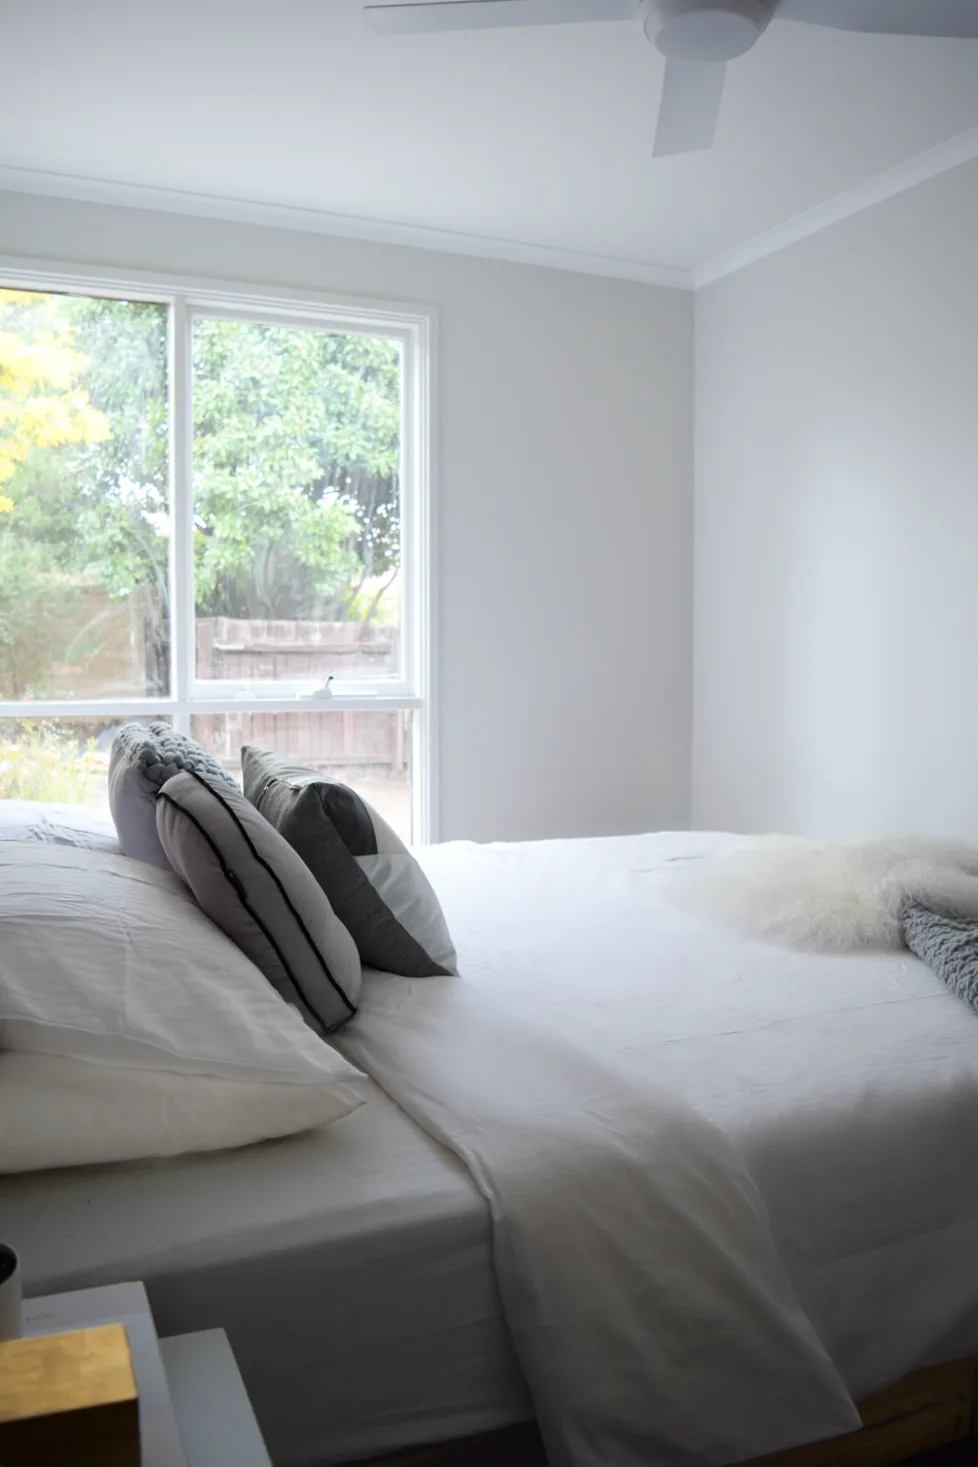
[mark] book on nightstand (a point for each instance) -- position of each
(128, 1305)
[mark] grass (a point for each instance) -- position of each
(40, 763)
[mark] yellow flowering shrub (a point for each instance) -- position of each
(40, 406)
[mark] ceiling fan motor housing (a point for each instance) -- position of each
(706, 30)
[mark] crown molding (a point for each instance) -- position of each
(347, 226)
(940, 159)
(962, 148)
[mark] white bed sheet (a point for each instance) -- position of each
(350, 1267)
(849, 1082)
(58, 825)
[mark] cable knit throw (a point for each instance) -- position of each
(946, 943)
(144, 756)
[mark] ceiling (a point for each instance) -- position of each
(535, 137)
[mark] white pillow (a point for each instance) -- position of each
(59, 825)
(60, 1112)
(111, 960)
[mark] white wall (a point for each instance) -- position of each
(836, 527)
(565, 507)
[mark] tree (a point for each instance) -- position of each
(35, 604)
(296, 451)
(296, 454)
(42, 408)
(41, 405)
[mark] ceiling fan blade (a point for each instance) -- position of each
(470, 15)
(954, 18)
(690, 106)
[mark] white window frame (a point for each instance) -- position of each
(416, 328)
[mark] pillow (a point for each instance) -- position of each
(144, 756)
(59, 825)
(110, 960)
(253, 885)
(373, 882)
(63, 1112)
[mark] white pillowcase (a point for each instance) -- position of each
(59, 825)
(108, 959)
(60, 1112)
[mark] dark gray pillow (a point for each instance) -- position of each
(144, 756)
(946, 943)
(375, 885)
(252, 885)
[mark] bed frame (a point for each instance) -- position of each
(930, 1408)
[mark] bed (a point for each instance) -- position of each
(353, 1268)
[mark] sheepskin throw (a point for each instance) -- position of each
(829, 895)
(947, 944)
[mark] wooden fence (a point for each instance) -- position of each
(232, 649)
(279, 651)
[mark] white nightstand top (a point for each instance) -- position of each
(193, 1408)
(216, 1421)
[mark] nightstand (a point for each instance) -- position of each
(217, 1424)
(193, 1407)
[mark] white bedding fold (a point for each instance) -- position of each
(646, 1301)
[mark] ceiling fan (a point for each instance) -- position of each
(697, 37)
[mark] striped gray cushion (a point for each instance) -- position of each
(254, 887)
(374, 884)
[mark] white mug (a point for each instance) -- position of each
(10, 1319)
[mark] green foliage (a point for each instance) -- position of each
(295, 462)
(295, 452)
(118, 490)
(40, 762)
(35, 608)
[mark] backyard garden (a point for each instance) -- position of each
(296, 521)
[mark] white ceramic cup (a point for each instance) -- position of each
(11, 1326)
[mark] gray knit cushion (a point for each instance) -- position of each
(946, 943)
(144, 756)
(374, 884)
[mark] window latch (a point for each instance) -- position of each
(324, 692)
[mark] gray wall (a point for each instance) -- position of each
(836, 527)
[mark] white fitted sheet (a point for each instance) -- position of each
(352, 1268)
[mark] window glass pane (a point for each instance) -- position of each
(371, 752)
(296, 503)
(84, 514)
(65, 760)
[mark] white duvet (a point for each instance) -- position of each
(707, 1159)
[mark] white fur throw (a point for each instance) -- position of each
(829, 895)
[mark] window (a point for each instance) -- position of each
(214, 512)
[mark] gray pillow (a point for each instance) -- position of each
(375, 885)
(254, 887)
(946, 943)
(144, 756)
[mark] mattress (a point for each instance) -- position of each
(350, 1267)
